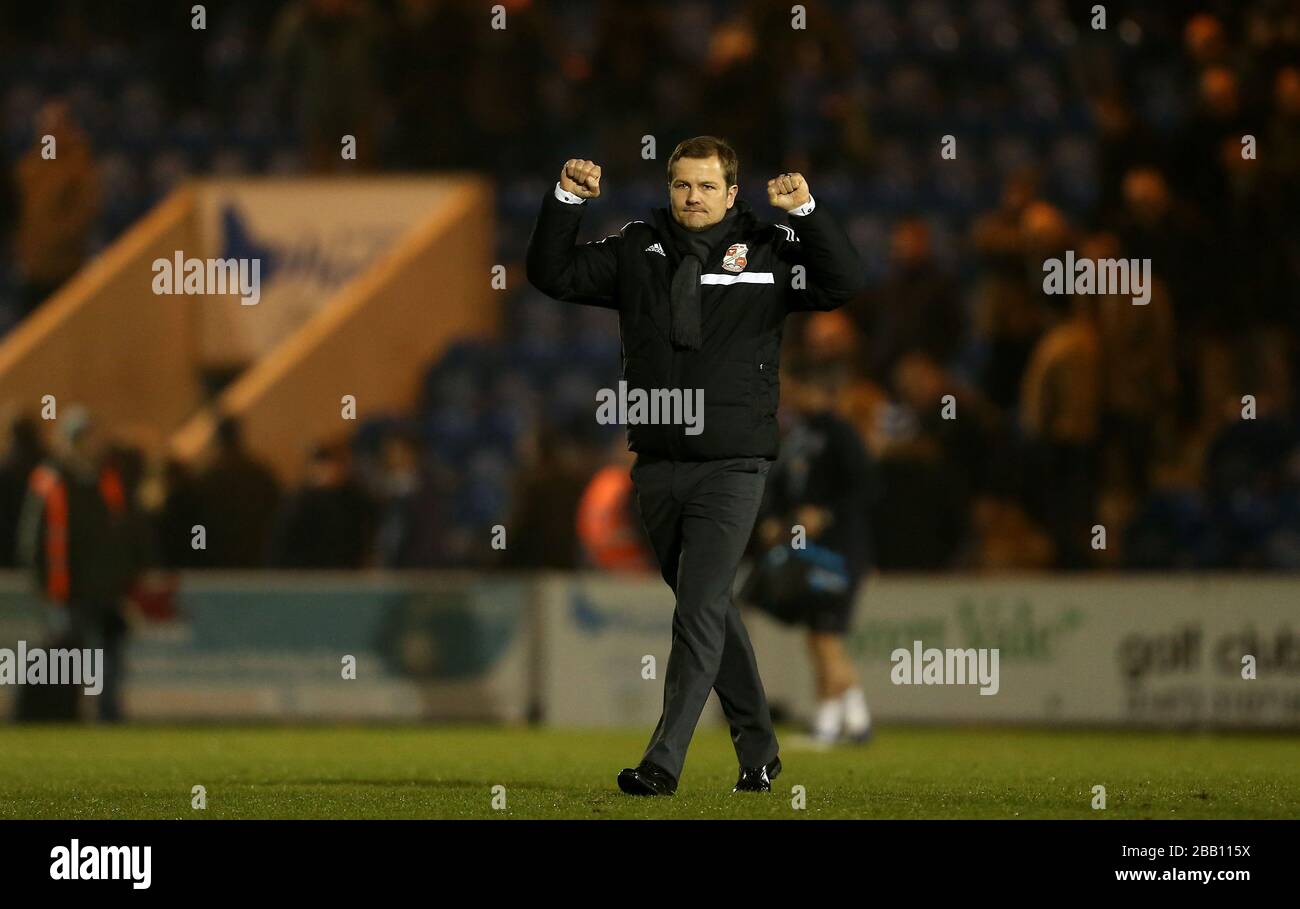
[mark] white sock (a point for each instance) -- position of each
(856, 716)
(830, 714)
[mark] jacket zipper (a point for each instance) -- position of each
(674, 381)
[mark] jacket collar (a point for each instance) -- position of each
(743, 223)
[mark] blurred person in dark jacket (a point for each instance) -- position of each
(931, 465)
(1284, 135)
(1008, 315)
(917, 308)
(25, 451)
(1219, 117)
(628, 43)
(824, 482)
(237, 497)
(544, 533)
(177, 516)
(1250, 463)
(75, 536)
(1158, 225)
(407, 507)
(512, 71)
(1124, 142)
(325, 57)
(734, 66)
(429, 67)
(328, 521)
(1139, 376)
(129, 463)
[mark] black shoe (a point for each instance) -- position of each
(647, 779)
(758, 779)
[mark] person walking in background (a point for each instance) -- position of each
(815, 533)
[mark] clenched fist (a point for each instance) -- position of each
(582, 178)
(788, 191)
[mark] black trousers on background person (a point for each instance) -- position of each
(96, 624)
(99, 625)
(699, 515)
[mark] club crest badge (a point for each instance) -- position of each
(735, 258)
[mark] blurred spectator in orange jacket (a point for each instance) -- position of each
(609, 525)
(58, 190)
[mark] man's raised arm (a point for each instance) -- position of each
(558, 267)
(833, 271)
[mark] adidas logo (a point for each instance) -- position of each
(655, 247)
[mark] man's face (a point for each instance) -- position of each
(699, 193)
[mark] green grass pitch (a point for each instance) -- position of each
(450, 771)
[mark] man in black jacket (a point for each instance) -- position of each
(702, 291)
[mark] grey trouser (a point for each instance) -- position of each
(699, 515)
